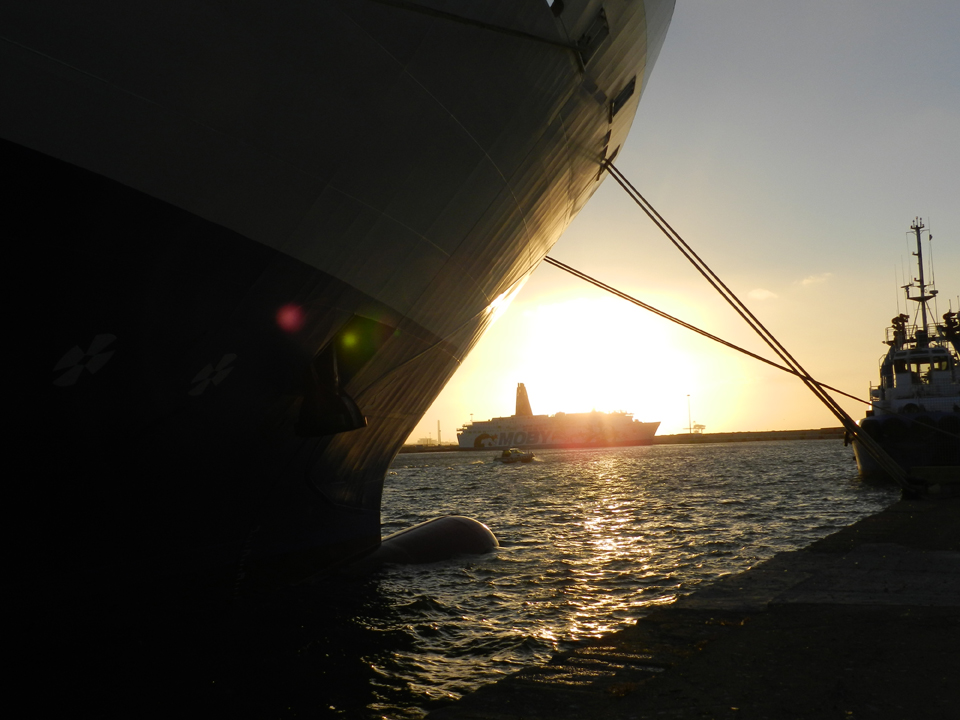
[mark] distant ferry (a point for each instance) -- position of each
(524, 429)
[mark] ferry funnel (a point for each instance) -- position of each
(523, 402)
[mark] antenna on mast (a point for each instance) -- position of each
(897, 284)
(932, 266)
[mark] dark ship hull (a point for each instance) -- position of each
(266, 239)
(917, 441)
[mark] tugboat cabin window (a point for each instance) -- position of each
(921, 369)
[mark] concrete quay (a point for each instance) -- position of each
(864, 623)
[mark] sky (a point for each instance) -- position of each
(791, 144)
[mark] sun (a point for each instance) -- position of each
(596, 354)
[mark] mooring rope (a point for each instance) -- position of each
(666, 316)
(888, 464)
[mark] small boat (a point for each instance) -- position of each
(915, 410)
(514, 455)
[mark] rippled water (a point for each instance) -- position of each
(590, 540)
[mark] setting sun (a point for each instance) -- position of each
(595, 354)
(577, 350)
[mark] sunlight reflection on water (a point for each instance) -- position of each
(590, 540)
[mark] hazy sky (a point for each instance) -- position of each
(791, 144)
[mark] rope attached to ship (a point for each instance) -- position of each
(693, 328)
(791, 365)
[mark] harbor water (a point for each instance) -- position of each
(590, 541)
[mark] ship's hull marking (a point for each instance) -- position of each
(211, 374)
(75, 360)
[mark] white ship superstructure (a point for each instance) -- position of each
(562, 430)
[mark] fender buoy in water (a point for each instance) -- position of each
(432, 541)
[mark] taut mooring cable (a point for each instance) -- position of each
(869, 444)
(666, 316)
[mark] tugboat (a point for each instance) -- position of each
(915, 410)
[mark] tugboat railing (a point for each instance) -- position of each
(937, 334)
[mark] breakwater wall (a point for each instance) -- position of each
(833, 433)
(690, 438)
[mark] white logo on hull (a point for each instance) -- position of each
(75, 361)
(211, 374)
(513, 437)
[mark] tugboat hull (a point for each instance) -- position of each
(928, 440)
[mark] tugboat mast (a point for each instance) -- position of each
(921, 339)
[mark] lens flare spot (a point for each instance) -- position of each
(290, 317)
(349, 340)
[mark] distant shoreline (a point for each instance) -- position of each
(832, 433)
